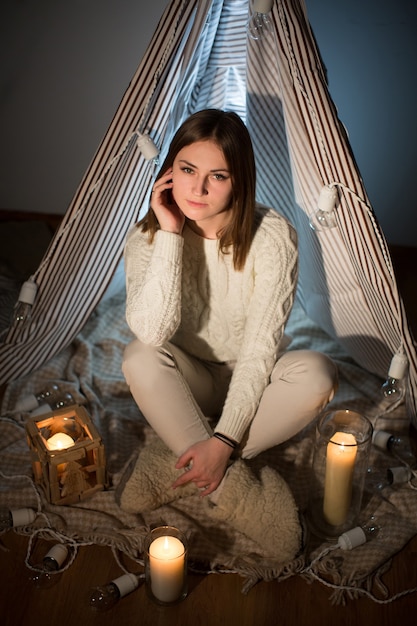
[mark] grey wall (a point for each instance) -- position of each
(65, 66)
(370, 50)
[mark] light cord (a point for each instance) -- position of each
(298, 79)
(371, 216)
(350, 588)
(357, 590)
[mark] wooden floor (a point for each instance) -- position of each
(215, 599)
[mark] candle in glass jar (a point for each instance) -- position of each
(59, 441)
(166, 562)
(340, 463)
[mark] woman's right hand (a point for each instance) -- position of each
(167, 212)
(208, 461)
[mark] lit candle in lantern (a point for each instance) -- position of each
(59, 441)
(166, 561)
(340, 462)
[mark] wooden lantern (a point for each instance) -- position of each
(67, 454)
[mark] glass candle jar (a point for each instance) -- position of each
(166, 565)
(340, 461)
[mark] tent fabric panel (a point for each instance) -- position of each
(23, 351)
(310, 97)
(263, 82)
(361, 232)
(224, 82)
(308, 107)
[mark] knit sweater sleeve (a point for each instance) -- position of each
(153, 285)
(275, 270)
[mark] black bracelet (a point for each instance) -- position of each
(226, 440)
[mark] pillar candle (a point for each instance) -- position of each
(59, 441)
(166, 562)
(340, 462)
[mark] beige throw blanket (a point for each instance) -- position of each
(90, 369)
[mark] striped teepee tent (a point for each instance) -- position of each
(201, 56)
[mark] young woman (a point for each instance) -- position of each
(211, 277)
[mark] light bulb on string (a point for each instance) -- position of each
(360, 534)
(45, 574)
(63, 400)
(11, 518)
(259, 25)
(324, 217)
(393, 387)
(43, 401)
(397, 444)
(378, 481)
(22, 311)
(148, 148)
(106, 596)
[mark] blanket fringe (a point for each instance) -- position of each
(131, 545)
(350, 588)
(130, 542)
(371, 585)
(253, 574)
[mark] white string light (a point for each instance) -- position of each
(259, 25)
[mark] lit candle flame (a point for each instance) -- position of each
(59, 441)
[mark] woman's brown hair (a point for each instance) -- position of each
(227, 130)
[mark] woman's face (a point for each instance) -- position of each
(202, 187)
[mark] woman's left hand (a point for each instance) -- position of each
(207, 461)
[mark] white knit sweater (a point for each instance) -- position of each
(181, 289)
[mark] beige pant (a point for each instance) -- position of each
(175, 392)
